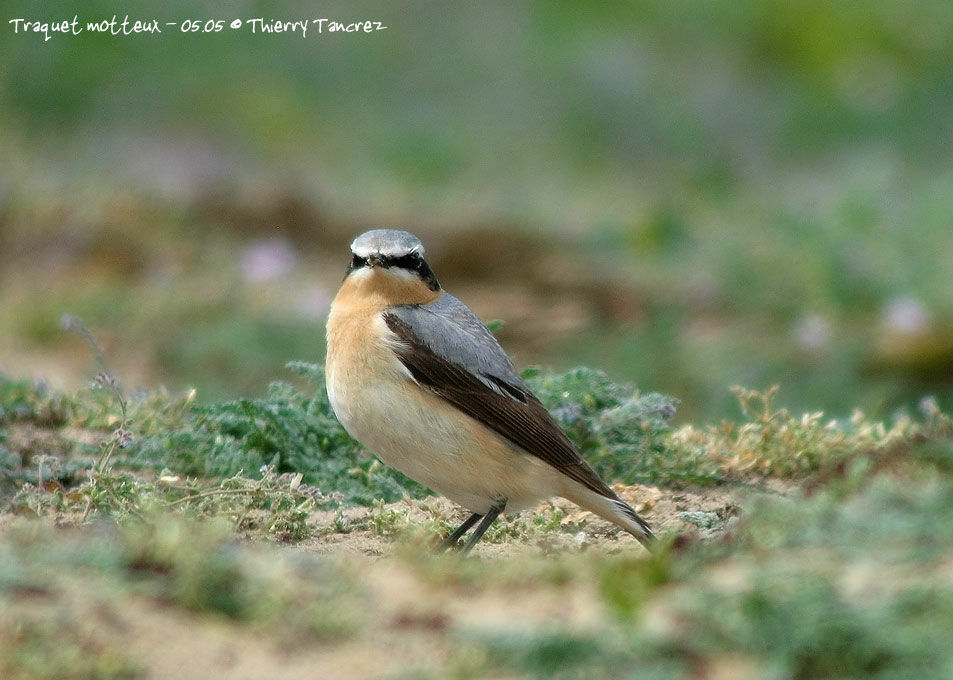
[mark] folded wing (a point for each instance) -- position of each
(481, 381)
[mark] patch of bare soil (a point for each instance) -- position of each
(700, 511)
(412, 615)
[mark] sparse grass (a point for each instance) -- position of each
(289, 430)
(62, 591)
(759, 194)
(620, 431)
(816, 588)
(388, 521)
(275, 505)
(38, 645)
(33, 401)
(773, 442)
(847, 580)
(285, 454)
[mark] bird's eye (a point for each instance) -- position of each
(411, 262)
(357, 262)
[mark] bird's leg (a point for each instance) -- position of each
(451, 540)
(488, 518)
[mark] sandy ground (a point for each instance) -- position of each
(411, 615)
(695, 511)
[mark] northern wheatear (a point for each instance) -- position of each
(418, 379)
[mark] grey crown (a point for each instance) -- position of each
(387, 243)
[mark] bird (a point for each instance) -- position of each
(415, 377)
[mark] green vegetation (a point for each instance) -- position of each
(697, 196)
(291, 441)
(286, 438)
(688, 195)
(845, 581)
(823, 587)
(53, 583)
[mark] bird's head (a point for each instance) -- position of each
(392, 259)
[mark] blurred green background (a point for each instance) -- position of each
(687, 194)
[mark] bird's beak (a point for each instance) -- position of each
(373, 261)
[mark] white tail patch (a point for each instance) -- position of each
(613, 510)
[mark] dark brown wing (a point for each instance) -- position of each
(509, 410)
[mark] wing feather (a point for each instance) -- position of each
(501, 403)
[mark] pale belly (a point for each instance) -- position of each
(426, 438)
